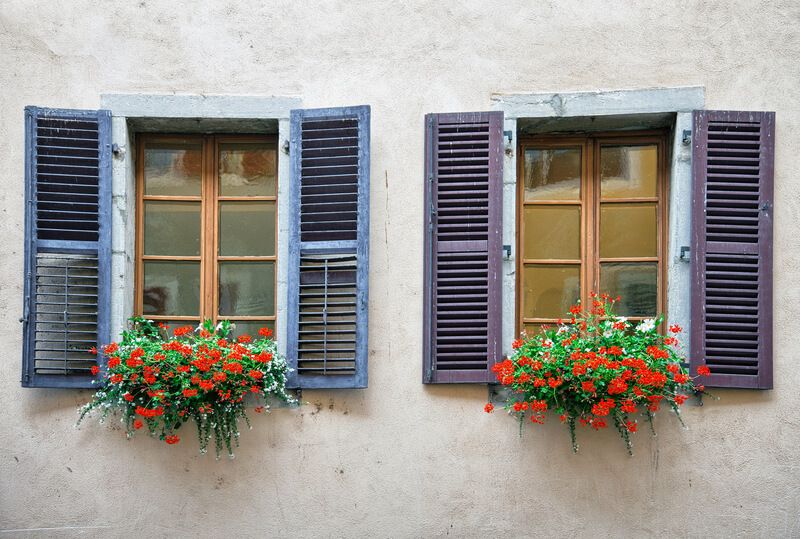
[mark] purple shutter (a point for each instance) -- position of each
(733, 161)
(463, 246)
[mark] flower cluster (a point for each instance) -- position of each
(596, 369)
(160, 382)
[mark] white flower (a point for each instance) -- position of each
(646, 325)
(562, 329)
(608, 333)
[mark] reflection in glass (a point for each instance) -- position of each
(171, 288)
(171, 228)
(246, 288)
(628, 171)
(172, 168)
(552, 232)
(247, 169)
(246, 228)
(549, 290)
(628, 230)
(635, 282)
(553, 174)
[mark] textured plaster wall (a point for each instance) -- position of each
(401, 459)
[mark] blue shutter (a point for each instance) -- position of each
(329, 248)
(67, 245)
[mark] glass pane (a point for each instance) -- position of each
(549, 290)
(247, 169)
(171, 228)
(628, 230)
(636, 283)
(553, 174)
(251, 327)
(552, 232)
(628, 171)
(246, 228)
(246, 288)
(171, 288)
(172, 168)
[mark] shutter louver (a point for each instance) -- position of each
(67, 245)
(733, 162)
(463, 247)
(329, 250)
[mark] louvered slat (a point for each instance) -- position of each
(462, 264)
(319, 352)
(732, 261)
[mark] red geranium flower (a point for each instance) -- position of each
(489, 408)
(173, 439)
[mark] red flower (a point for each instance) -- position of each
(95, 369)
(220, 376)
(133, 362)
(258, 409)
(631, 426)
(489, 408)
(111, 348)
(137, 424)
(244, 338)
(233, 367)
(113, 362)
(257, 375)
(173, 439)
(116, 378)
(204, 334)
(517, 344)
(675, 328)
(555, 382)
(628, 406)
(680, 399)
(265, 332)
(588, 386)
(222, 343)
(681, 378)
(93, 350)
(617, 386)
(128, 397)
(263, 357)
(703, 370)
(183, 330)
(189, 392)
(206, 385)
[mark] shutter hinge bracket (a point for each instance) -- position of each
(686, 138)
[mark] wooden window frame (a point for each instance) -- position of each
(209, 199)
(589, 203)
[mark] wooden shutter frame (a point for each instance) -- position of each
(430, 374)
(34, 246)
(763, 249)
(358, 380)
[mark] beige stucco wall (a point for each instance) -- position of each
(401, 459)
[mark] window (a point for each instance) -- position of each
(591, 217)
(206, 229)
